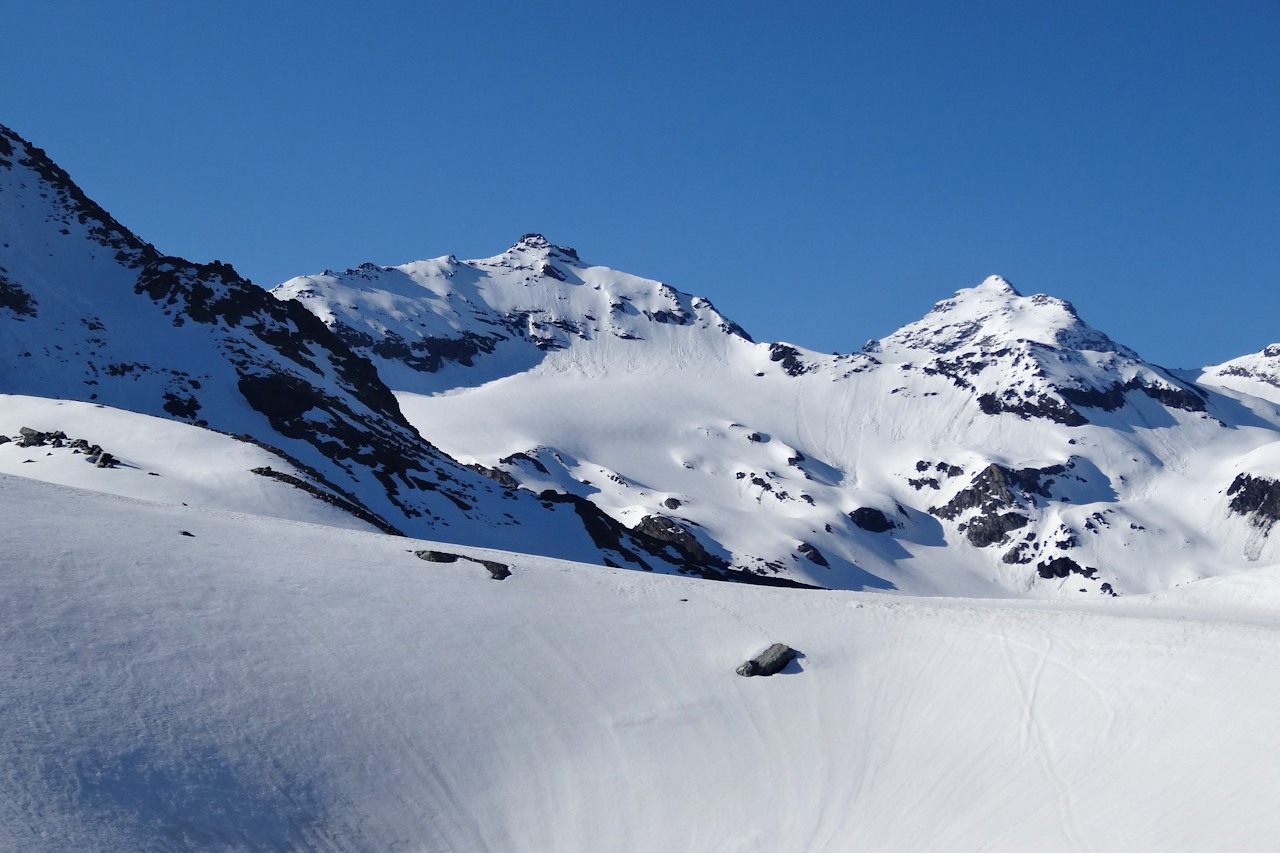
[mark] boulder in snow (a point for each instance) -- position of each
(769, 662)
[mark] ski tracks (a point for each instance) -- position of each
(1038, 740)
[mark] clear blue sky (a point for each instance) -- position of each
(823, 171)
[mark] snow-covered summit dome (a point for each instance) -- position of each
(995, 315)
(1032, 356)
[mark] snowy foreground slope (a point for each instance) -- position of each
(266, 684)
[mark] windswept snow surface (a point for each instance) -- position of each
(267, 684)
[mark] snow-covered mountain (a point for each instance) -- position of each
(441, 322)
(1001, 430)
(538, 402)
(91, 312)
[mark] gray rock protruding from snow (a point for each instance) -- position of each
(769, 662)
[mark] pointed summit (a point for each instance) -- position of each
(995, 314)
(997, 284)
(536, 244)
(1031, 356)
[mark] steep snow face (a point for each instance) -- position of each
(998, 446)
(494, 316)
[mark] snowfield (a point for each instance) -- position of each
(271, 684)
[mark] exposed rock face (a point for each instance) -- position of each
(1255, 497)
(1061, 567)
(664, 529)
(15, 299)
(436, 556)
(813, 555)
(1041, 406)
(320, 494)
(991, 529)
(497, 571)
(996, 487)
(789, 357)
(769, 662)
(1182, 396)
(871, 520)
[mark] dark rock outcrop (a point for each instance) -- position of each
(1044, 406)
(813, 555)
(997, 487)
(871, 519)
(679, 537)
(497, 571)
(1255, 497)
(990, 529)
(1061, 567)
(789, 357)
(769, 662)
(28, 437)
(16, 299)
(1175, 396)
(436, 556)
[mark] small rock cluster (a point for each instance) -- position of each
(94, 454)
(497, 571)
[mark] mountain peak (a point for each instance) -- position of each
(534, 243)
(995, 313)
(995, 284)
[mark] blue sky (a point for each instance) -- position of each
(824, 172)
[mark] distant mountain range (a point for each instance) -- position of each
(536, 402)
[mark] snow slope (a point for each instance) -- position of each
(266, 684)
(1256, 373)
(159, 460)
